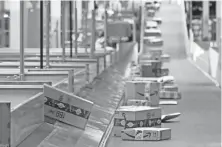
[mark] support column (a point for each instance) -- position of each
(56, 18)
(219, 38)
(79, 13)
(206, 19)
(14, 24)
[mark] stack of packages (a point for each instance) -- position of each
(140, 117)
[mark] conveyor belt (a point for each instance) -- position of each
(200, 122)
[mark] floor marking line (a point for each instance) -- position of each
(205, 73)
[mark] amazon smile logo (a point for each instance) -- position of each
(151, 94)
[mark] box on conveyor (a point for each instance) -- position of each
(135, 102)
(165, 58)
(136, 116)
(173, 88)
(151, 68)
(157, 19)
(154, 63)
(143, 90)
(156, 41)
(169, 95)
(146, 134)
(165, 80)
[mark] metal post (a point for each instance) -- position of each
(63, 28)
(22, 40)
(47, 32)
(87, 73)
(70, 26)
(2, 24)
(76, 30)
(71, 80)
(105, 27)
(191, 14)
(85, 28)
(41, 34)
(104, 61)
(142, 28)
(97, 64)
(93, 35)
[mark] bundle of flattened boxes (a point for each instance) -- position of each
(140, 116)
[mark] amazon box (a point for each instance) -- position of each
(165, 58)
(143, 90)
(163, 94)
(66, 107)
(135, 102)
(134, 117)
(150, 68)
(173, 88)
(155, 42)
(146, 134)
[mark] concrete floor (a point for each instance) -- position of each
(200, 122)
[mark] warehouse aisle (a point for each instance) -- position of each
(200, 122)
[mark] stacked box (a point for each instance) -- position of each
(136, 116)
(135, 102)
(169, 95)
(157, 41)
(165, 58)
(147, 134)
(151, 79)
(173, 88)
(150, 68)
(143, 90)
(156, 52)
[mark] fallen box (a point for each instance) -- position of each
(169, 95)
(66, 108)
(171, 88)
(134, 102)
(146, 134)
(136, 116)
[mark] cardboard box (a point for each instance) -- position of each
(151, 79)
(155, 63)
(136, 116)
(152, 93)
(153, 32)
(135, 102)
(147, 134)
(169, 95)
(143, 90)
(135, 90)
(165, 58)
(156, 41)
(173, 88)
(150, 68)
(5, 124)
(66, 108)
(166, 79)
